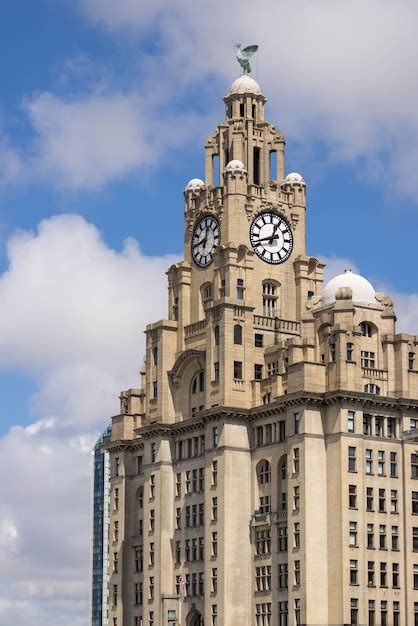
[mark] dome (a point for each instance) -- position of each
(294, 177)
(194, 184)
(362, 290)
(245, 84)
(235, 166)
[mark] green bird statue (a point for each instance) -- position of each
(244, 55)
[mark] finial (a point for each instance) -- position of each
(244, 55)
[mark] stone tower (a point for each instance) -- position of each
(263, 473)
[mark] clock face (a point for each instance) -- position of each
(205, 240)
(271, 237)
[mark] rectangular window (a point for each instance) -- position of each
(415, 576)
(353, 611)
(214, 473)
(178, 485)
(297, 611)
(351, 421)
(214, 615)
(297, 572)
(414, 466)
(393, 501)
(155, 390)
(178, 551)
(214, 580)
(282, 539)
(216, 371)
(369, 498)
(152, 520)
(155, 355)
(351, 459)
(380, 463)
(151, 554)
(116, 499)
(352, 496)
(370, 573)
(296, 534)
(382, 500)
(283, 614)
(115, 595)
(415, 503)
(395, 575)
(371, 613)
(370, 536)
(352, 541)
(393, 465)
(153, 453)
(282, 575)
(214, 509)
(382, 537)
(383, 575)
(368, 359)
(369, 462)
(349, 354)
(391, 425)
(238, 370)
(258, 371)
(296, 498)
(240, 289)
(152, 486)
(396, 614)
(367, 424)
(296, 421)
(263, 542)
(215, 436)
(151, 588)
(395, 538)
(214, 544)
(378, 426)
(258, 340)
(383, 613)
(296, 460)
(353, 572)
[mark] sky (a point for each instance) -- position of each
(104, 111)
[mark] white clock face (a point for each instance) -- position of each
(271, 237)
(205, 240)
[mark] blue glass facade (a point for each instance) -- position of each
(100, 540)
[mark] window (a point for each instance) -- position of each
(393, 465)
(265, 504)
(396, 614)
(207, 292)
(283, 614)
(411, 358)
(214, 473)
(415, 503)
(263, 542)
(282, 539)
(116, 499)
(240, 289)
(352, 496)
(414, 465)
(383, 613)
(368, 359)
(415, 576)
(238, 370)
(353, 611)
(378, 426)
(216, 371)
(395, 575)
(296, 498)
(153, 453)
(391, 425)
(214, 544)
(415, 613)
(353, 572)
(380, 463)
(382, 537)
(139, 464)
(296, 534)
(152, 486)
(237, 334)
(352, 539)
(366, 329)
(351, 459)
(370, 536)
(178, 551)
(201, 479)
(282, 575)
(178, 485)
(201, 550)
(296, 460)
(371, 613)
(263, 578)
(383, 575)
(369, 462)
(138, 560)
(214, 580)
(382, 499)
(269, 299)
(415, 539)
(394, 501)
(258, 340)
(297, 611)
(332, 351)
(155, 390)
(216, 335)
(264, 472)
(297, 572)
(214, 615)
(115, 530)
(115, 595)
(351, 421)
(151, 588)
(370, 573)
(151, 553)
(296, 422)
(215, 436)
(117, 466)
(138, 593)
(367, 424)
(258, 371)
(115, 562)
(369, 498)
(214, 509)
(395, 538)
(372, 388)
(349, 352)
(152, 520)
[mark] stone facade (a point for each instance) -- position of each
(264, 473)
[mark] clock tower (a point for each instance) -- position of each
(275, 427)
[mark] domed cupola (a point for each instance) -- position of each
(194, 184)
(243, 85)
(362, 291)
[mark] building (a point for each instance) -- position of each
(266, 470)
(100, 534)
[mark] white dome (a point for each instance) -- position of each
(245, 84)
(363, 291)
(235, 166)
(294, 177)
(194, 184)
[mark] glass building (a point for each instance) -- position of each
(100, 543)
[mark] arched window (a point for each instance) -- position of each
(372, 388)
(238, 334)
(283, 472)
(263, 472)
(366, 329)
(270, 297)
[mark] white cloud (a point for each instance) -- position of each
(338, 73)
(72, 317)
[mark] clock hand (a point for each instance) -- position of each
(270, 238)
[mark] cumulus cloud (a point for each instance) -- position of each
(72, 318)
(336, 73)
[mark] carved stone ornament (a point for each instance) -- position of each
(344, 293)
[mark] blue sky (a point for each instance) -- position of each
(104, 111)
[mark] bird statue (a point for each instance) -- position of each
(244, 55)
